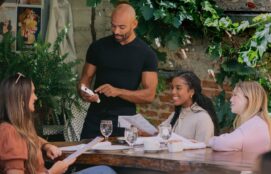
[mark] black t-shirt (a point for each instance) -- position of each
(122, 67)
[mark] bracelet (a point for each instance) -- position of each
(43, 147)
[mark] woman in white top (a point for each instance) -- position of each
(194, 116)
(252, 123)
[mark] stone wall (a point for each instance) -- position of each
(81, 24)
(196, 59)
(242, 5)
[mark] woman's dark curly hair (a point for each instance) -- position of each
(194, 83)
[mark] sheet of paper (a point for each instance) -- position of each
(72, 148)
(138, 121)
(187, 143)
(83, 149)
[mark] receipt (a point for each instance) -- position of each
(85, 148)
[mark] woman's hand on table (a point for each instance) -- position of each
(52, 151)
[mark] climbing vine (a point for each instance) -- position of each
(241, 50)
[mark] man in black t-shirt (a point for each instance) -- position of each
(121, 62)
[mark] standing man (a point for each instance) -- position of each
(121, 62)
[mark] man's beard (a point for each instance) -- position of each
(120, 38)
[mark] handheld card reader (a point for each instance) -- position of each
(89, 91)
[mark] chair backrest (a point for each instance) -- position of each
(74, 126)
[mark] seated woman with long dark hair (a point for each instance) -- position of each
(194, 116)
(20, 146)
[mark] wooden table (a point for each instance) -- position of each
(206, 160)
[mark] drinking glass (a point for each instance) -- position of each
(131, 135)
(106, 128)
(165, 131)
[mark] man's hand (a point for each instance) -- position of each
(89, 98)
(108, 90)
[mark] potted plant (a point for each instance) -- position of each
(55, 80)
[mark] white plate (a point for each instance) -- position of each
(111, 148)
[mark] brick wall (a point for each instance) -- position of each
(162, 106)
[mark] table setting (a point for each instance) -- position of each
(165, 151)
(131, 143)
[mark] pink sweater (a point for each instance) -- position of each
(251, 136)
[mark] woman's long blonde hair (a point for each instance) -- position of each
(256, 105)
(14, 109)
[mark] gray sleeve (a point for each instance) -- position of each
(204, 127)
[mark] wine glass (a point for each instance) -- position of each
(131, 135)
(165, 131)
(106, 128)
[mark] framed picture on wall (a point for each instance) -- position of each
(28, 27)
(8, 20)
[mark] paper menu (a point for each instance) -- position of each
(138, 121)
(188, 143)
(72, 148)
(83, 149)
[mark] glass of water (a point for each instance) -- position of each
(165, 131)
(106, 128)
(131, 135)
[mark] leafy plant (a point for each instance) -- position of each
(225, 118)
(54, 79)
(240, 49)
(177, 20)
(247, 59)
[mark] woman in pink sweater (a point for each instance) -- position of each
(252, 123)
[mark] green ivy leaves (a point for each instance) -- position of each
(252, 52)
(147, 12)
(238, 48)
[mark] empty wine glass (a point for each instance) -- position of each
(165, 130)
(106, 128)
(131, 135)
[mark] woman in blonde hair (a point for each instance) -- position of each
(252, 123)
(20, 146)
